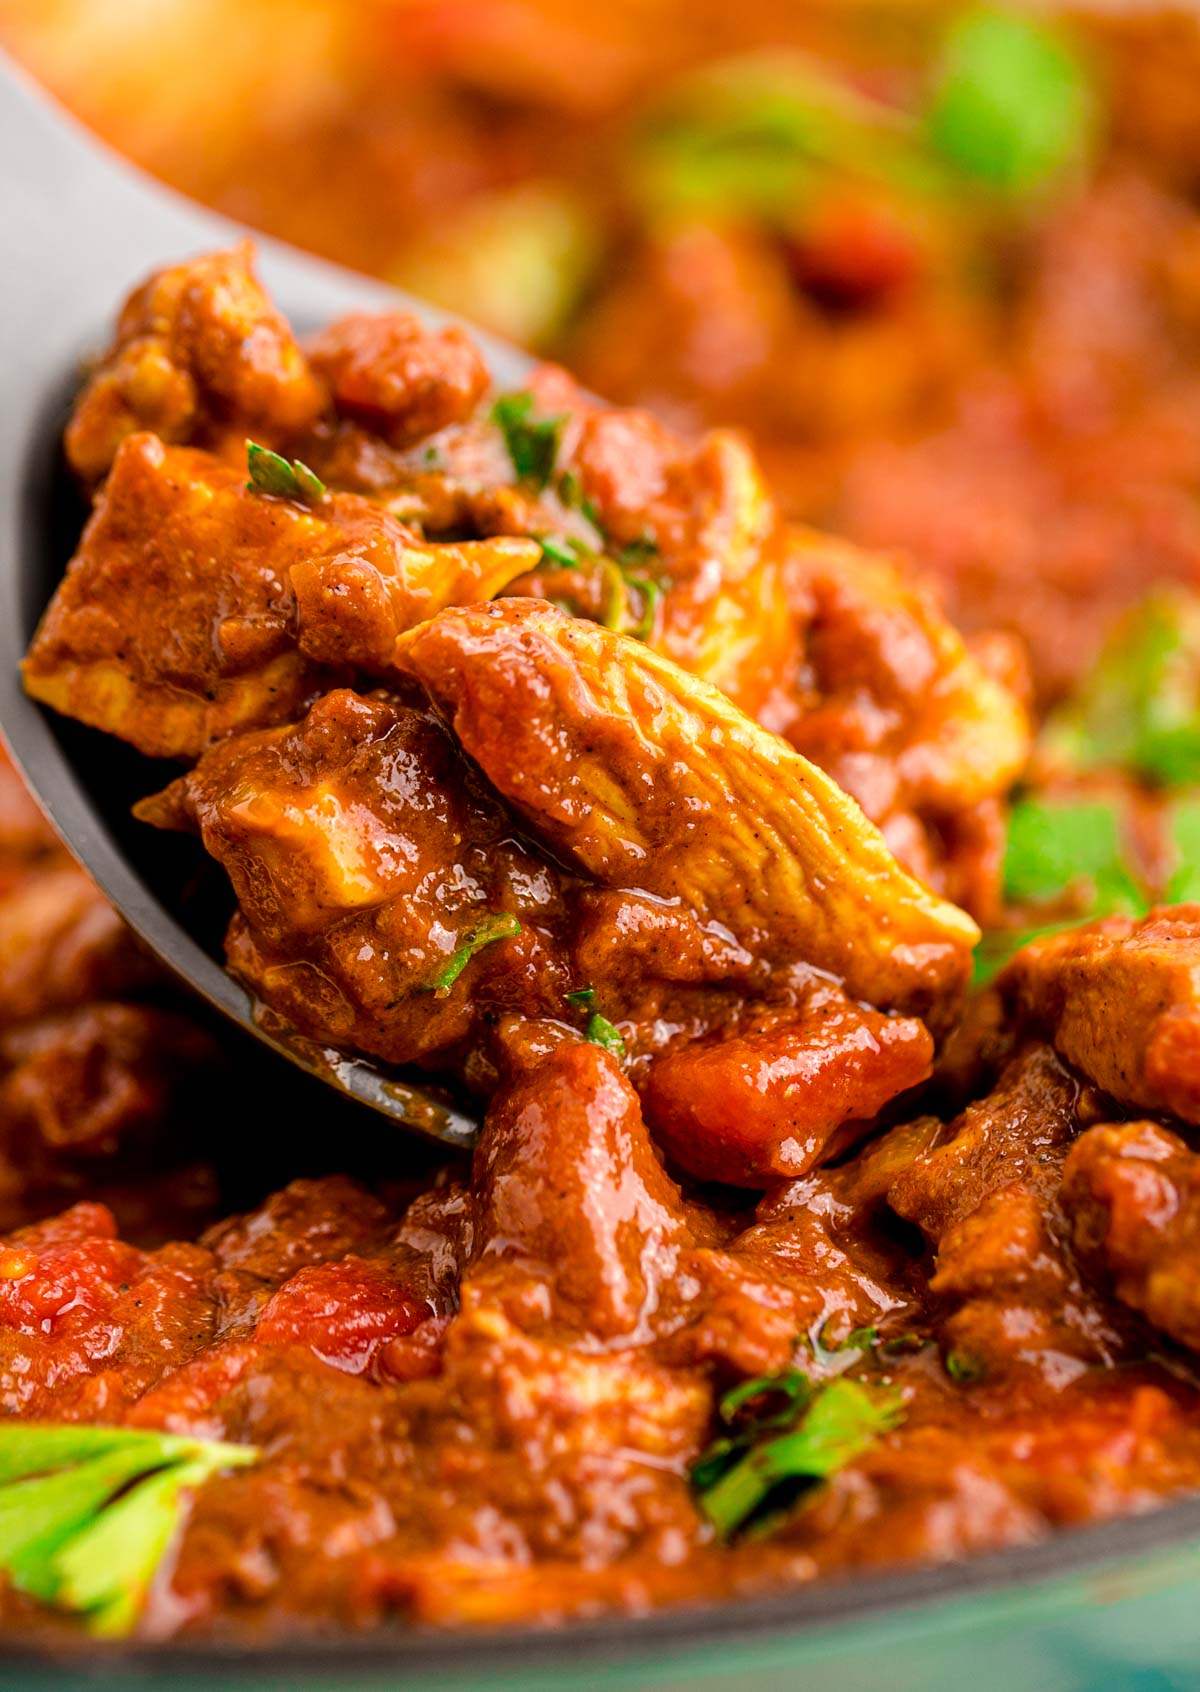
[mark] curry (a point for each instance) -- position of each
(544, 757)
(784, 838)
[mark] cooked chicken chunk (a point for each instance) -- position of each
(1121, 1001)
(201, 355)
(1132, 1191)
(639, 775)
(401, 379)
(173, 624)
(197, 606)
(925, 734)
(365, 856)
(1007, 1289)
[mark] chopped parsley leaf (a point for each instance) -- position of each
(1013, 106)
(616, 600)
(561, 549)
(532, 442)
(282, 478)
(570, 491)
(601, 1032)
(780, 1452)
(87, 1513)
(1184, 834)
(486, 932)
(963, 1369)
(1056, 848)
(839, 1354)
(1140, 707)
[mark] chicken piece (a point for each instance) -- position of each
(567, 1187)
(196, 607)
(581, 1237)
(61, 944)
(640, 775)
(782, 1090)
(199, 354)
(25, 835)
(812, 638)
(1121, 1001)
(816, 1237)
(901, 714)
(365, 855)
(1132, 1191)
(1008, 1292)
(712, 540)
(1017, 1133)
(173, 624)
(399, 378)
(85, 1080)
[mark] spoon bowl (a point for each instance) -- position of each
(83, 228)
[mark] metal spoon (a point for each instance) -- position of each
(81, 228)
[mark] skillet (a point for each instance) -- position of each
(1114, 1606)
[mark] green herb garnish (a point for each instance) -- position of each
(1183, 829)
(561, 549)
(803, 1434)
(532, 442)
(486, 932)
(1056, 848)
(1054, 844)
(616, 598)
(1013, 106)
(87, 1513)
(763, 131)
(637, 551)
(282, 478)
(570, 491)
(839, 1354)
(963, 1369)
(601, 1032)
(1140, 707)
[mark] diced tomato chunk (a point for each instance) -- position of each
(344, 1312)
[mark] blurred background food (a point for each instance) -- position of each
(942, 261)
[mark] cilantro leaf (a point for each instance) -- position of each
(1140, 707)
(533, 442)
(761, 131)
(1055, 844)
(601, 1032)
(570, 491)
(1183, 829)
(1012, 106)
(282, 478)
(485, 932)
(561, 549)
(839, 1354)
(616, 599)
(106, 1570)
(830, 1426)
(1055, 848)
(963, 1369)
(87, 1513)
